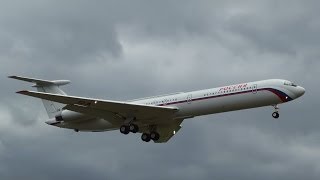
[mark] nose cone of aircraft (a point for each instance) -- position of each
(299, 91)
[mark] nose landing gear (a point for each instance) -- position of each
(276, 114)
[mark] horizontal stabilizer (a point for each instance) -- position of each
(41, 82)
(53, 108)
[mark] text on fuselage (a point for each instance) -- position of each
(233, 87)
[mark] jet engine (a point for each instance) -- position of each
(68, 116)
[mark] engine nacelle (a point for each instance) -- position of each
(68, 116)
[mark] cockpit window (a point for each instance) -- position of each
(288, 83)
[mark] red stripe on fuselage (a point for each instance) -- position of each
(283, 97)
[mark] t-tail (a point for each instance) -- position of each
(53, 108)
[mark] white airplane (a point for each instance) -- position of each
(158, 118)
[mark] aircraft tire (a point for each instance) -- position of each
(154, 136)
(145, 137)
(133, 128)
(275, 115)
(124, 129)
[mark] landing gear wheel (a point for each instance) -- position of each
(275, 115)
(124, 129)
(133, 128)
(145, 137)
(154, 136)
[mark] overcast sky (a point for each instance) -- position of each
(124, 49)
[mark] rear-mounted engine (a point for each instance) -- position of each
(68, 116)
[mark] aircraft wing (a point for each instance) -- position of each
(92, 106)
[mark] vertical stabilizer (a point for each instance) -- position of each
(53, 108)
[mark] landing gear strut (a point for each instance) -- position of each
(275, 114)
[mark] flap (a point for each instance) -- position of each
(168, 131)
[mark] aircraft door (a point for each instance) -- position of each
(254, 89)
(189, 98)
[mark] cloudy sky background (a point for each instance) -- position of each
(123, 50)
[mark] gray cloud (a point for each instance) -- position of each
(123, 50)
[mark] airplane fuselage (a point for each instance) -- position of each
(228, 98)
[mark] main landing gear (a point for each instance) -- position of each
(146, 137)
(275, 114)
(125, 129)
(151, 134)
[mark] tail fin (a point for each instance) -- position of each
(53, 108)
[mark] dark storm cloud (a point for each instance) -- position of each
(287, 30)
(124, 50)
(60, 32)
